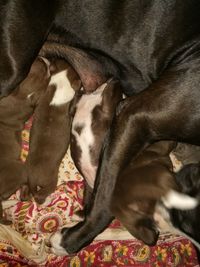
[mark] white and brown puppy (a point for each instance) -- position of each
(50, 133)
(144, 182)
(93, 114)
(15, 110)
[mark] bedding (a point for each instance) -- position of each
(25, 242)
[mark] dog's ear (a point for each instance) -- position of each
(89, 69)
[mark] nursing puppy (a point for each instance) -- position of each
(92, 116)
(146, 181)
(15, 110)
(49, 136)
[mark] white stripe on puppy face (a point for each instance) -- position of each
(174, 199)
(64, 91)
(56, 248)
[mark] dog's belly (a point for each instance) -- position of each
(143, 42)
(84, 137)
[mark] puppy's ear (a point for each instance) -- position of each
(147, 231)
(112, 95)
(74, 101)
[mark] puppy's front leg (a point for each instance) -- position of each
(23, 28)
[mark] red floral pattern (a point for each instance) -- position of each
(36, 223)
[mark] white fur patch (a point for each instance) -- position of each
(83, 117)
(177, 200)
(64, 91)
(56, 248)
(29, 95)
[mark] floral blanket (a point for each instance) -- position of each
(24, 243)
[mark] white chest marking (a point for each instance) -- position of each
(64, 91)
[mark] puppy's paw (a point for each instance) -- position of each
(55, 243)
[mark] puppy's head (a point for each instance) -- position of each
(59, 65)
(93, 114)
(102, 115)
(147, 231)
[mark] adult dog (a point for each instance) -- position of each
(149, 44)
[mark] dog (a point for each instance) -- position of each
(146, 181)
(92, 115)
(49, 136)
(148, 46)
(15, 110)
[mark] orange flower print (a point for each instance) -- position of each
(186, 249)
(122, 250)
(161, 254)
(75, 262)
(89, 257)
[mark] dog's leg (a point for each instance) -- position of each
(168, 110)
(23, 28)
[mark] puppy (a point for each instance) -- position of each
(141, 185)
(49, 136)
(92, 115)
(15, 110)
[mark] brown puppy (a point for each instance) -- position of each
(15, 110)
(145, 181)
(49, 137)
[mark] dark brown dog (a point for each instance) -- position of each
(49, 137)
(141, 185)
(15, 110)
